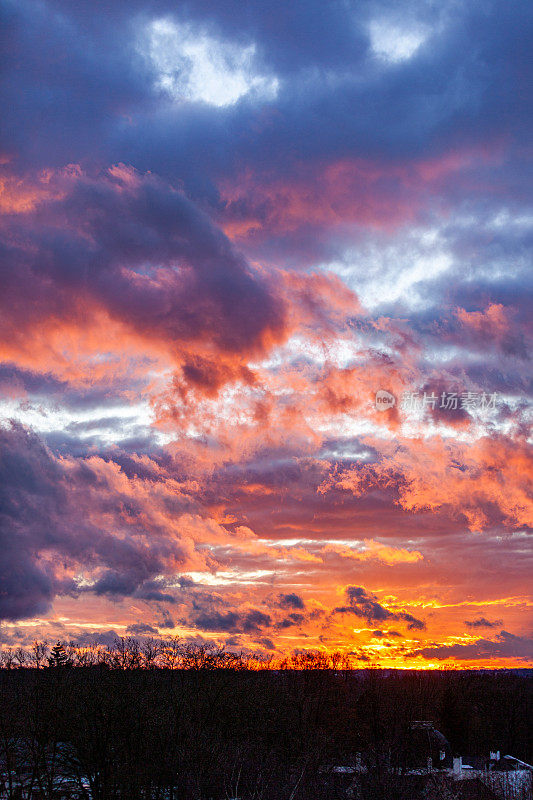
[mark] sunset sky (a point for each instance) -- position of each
(224, 229)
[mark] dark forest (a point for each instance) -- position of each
(216, 728)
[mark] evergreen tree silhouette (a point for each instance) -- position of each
(58, 657)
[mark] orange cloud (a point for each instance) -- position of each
(369, 193)
(471, 478)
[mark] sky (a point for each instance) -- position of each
(265, 326)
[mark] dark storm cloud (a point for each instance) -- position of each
(267, 643)
(31, 494)
(366, 605)
(47, 506)
(292, 619)
(141, 629)
(483, 623)
(506, 645)
(467, 84)
(232, 621)
(166, 620)
(291, 601)
(151, 591)
(85, 77)
(108, 639)
(12, 377)
(207, 289)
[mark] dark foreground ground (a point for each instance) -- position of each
(197, 734)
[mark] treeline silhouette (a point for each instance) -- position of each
(150, 653)
(143, 720)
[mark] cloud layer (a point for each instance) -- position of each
(220, 235)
